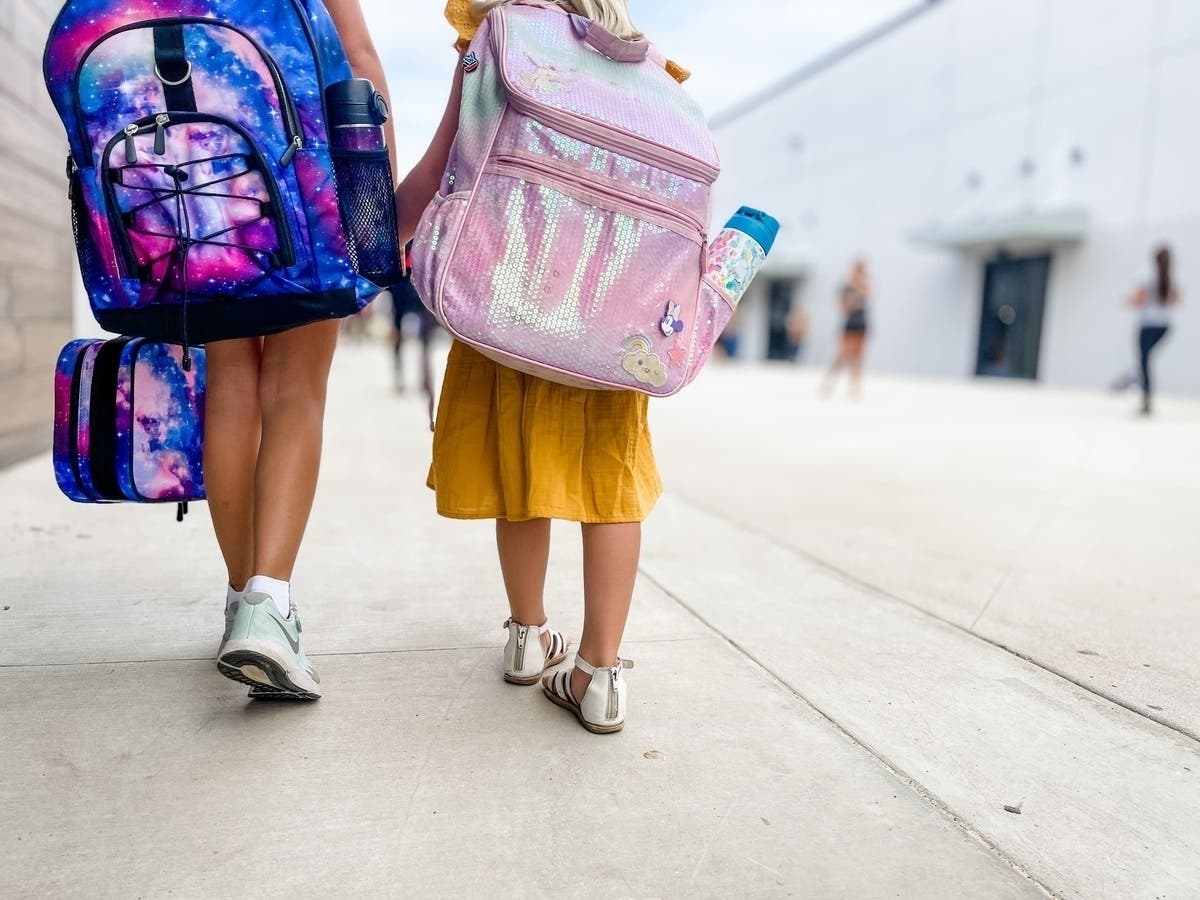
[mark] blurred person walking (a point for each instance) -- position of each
(406, 302)
(855, 301)
(1155, 302)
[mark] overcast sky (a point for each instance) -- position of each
(733, 47)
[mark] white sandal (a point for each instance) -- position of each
(524, 658)
(602, 710)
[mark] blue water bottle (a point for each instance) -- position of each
(739, 250)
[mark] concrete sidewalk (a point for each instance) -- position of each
(861, 631)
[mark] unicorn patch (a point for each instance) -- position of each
(545, 80)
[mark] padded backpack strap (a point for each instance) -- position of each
(173, 68)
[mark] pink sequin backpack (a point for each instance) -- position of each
(568, 239)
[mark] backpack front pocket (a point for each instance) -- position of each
(194, 204)
(572, 275)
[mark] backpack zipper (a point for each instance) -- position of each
(160, 134)
(596, 132)
(588, 191)
(291, 116)
(282, 228)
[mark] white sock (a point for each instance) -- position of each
(280, 591)
(233, 597)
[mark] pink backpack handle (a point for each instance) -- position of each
(603, 40)
(608, 44)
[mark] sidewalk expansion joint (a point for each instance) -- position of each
(332, 654)
(891, 768)
(883, 593)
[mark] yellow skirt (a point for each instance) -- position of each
(511, 446)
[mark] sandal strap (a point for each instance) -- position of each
(560, 684)
(545, 626)
(588, 669)
(558, 643)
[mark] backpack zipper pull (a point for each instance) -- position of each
(130, 146)
(160, 136)
(297, 144)
(72, 170)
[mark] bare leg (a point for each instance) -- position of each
(232, 430)
(524, 549)
(610, 563)
(858, 352)
(398, 357)
(427, 365)
(292, 385)
(842, 358)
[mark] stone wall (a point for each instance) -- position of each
(37, 273)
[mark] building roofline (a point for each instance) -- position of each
(821, 63)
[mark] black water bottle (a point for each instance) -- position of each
(357, 113)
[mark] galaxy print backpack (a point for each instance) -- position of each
(207, 202)
(128, 421)
(569, 236)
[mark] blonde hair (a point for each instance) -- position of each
(611, 14)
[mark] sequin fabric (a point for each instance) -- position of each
(543, 52)
(571, 222)
(260, 220)
(522, 135)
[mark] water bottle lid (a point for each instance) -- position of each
(355, 102)
(757, 224)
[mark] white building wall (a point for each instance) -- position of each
(857, 157)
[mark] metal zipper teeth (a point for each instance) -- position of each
(291, 116)
(269, 179)
(519, 660)
(605, 197)
(614, 698)
(627, 142)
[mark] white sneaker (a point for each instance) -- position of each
(524, 657)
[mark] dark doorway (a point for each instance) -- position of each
(781, 295)
(1014, 304)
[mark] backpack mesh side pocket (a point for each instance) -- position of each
(368, 205)
(81, 226)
